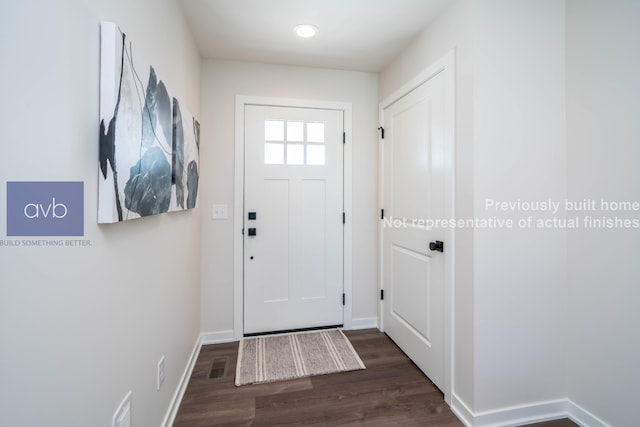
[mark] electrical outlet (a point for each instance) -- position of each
(160, 373)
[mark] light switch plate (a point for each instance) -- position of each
(220, 211)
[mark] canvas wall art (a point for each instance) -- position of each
(185, 150)
(148, 142)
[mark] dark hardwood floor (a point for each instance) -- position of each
(556, 423)
(390, 392)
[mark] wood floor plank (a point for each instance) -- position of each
(555, 423)
(231, 412)
(391, 391)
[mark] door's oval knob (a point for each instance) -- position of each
(437, 246)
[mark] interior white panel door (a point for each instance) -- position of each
(415, 170)
(293, 226)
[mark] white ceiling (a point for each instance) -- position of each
(361, 35)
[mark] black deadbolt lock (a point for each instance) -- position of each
(437, 246)
(252, 215)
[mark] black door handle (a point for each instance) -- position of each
(252, 232)
(437, 246)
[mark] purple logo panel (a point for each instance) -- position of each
(45, 209)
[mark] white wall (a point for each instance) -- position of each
(511, 297)
(603, 65)
(221, 82)
(452, 29)
(80, 327)
(520, 296)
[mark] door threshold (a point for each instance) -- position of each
(289, 331)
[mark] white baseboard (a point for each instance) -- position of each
(582, 417)
(526, 414)
(170, 417)
(461, 410)
(365, 323)
(522, 415)
(217, 337)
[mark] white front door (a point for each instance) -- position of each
(416, 168)
(293, 218)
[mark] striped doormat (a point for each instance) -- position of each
(303, 354)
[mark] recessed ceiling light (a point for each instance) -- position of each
(305, 30)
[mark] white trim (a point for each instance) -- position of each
(238, 220)
(217, 337)
(461, 410)
(522, 415)
(365, 323)
(346, 107)
(380, 226)
(438, 66)
(172, 411)
(445, 65)
(449, 268)
(581, 416)
(525, 414)
(347, 319)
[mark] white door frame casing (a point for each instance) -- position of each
(446, 65)
(238, 206)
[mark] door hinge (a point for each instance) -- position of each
(343, 299)
(381, 294)
(344, 218)
(381, 129)
(344, 137)
(381, 213)
(243, 231)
